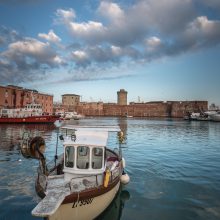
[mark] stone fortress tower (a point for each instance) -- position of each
(122, 97)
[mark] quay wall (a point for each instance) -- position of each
(173, 109)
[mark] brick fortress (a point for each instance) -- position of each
(176, 109)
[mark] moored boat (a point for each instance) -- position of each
(215, 117)
(196, 116)
(192, 116)
(31, 113)
(72, 115)
(84, 179)
(30, 119)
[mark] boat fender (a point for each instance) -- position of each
(123, 162)
(125, 179)
(107, 178)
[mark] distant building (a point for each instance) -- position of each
(213, 107)
(17, 97)
(122, 97)
(70, 101)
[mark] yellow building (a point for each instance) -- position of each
(70, 101)
(122, 97)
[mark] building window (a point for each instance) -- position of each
(6, 93)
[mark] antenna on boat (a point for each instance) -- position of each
(56, 157)
(121, 139)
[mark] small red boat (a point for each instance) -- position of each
(31, 113)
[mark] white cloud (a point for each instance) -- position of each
(66, 14)
(112, 11)
(51, 36)
(138, 32)
(131, 24)
(202, 32)
(131, 29)
(89, 29)
(31, 47)
(203, 24)
(24, 58)
(153, 42)
(58, 60)
(116, 50)
(79, 55)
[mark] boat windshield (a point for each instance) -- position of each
(69, 156)
(82, 157)
(86, 157)
(97, 157)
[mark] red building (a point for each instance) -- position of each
(17, 97)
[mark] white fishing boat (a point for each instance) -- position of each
(196, 116)
(83, 180)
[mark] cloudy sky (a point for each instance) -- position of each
(156, 50)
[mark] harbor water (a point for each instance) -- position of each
(174, 167)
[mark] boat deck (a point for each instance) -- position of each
(58, 189)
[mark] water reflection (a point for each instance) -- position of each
(173, 165)
(11, 134)
(115, 209)
(123, 124)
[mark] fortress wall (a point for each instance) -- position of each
(150, 109)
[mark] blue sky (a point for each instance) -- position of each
(156, 50)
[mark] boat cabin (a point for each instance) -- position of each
(29, 110)
(84, 153)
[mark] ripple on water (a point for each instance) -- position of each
(173, 166)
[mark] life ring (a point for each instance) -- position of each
(107, 178)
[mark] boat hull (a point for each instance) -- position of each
(215, 117)
(86, 209)
(31, 119)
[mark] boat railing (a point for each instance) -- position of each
(93, 180)
(51, 169)
(86, 181)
